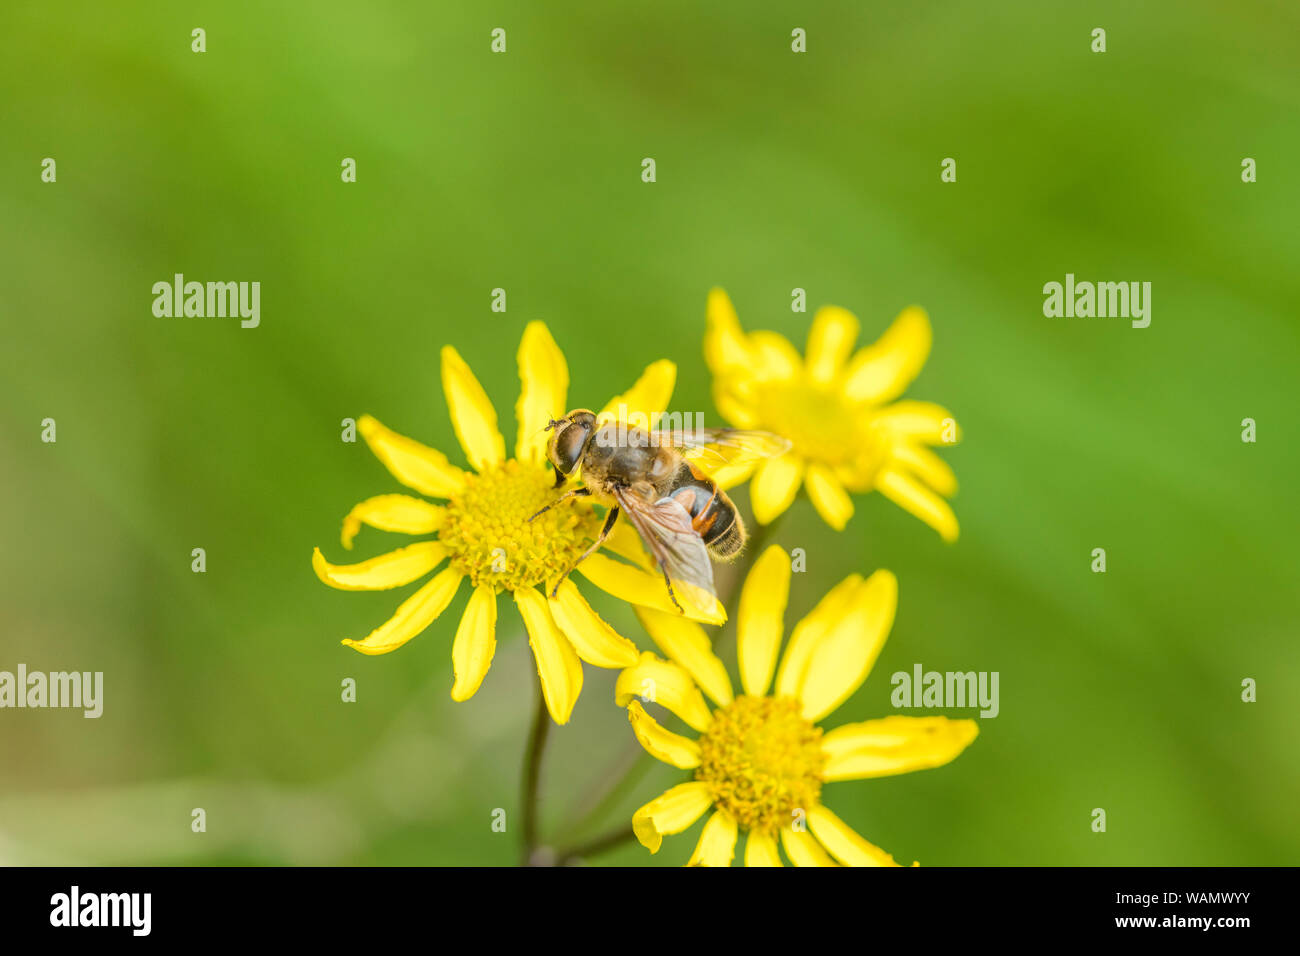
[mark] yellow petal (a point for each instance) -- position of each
(686, 643)
(472, 414)
(774, 356)
(645, 401)
(882, 371)
(671, 812)
(626, 543)
(391, 570)
(413, 615)
(843, 841)
(918, 421)
(926, 465)
(760, 850)
(666, 684)
(910, 495)
(643, 588)
(717, 844)
(830, 340)
(892, 745)
(760, 623)
(595, 641)
(828, 496)
(544, 385)
(413, 464)
(400, 513)
(557, 663)
(733, 474)
(725, 346)
(776, 481)
(842, 658)
(829, 610)
(662, 744)
(803, 849)
(734, 395)
(476, 642)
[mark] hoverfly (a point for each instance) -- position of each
(652, 477)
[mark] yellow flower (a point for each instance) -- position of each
(834, 406)
(483, 534)
(760, 760)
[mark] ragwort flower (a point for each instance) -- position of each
(834, 405)
(482, 532)
(761, 759)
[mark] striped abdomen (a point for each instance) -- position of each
(713, 516)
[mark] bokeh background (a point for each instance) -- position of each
(522, 171)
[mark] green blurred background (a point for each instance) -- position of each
(775, 170)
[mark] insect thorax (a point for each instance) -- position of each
(625, 454)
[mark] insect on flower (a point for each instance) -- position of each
(479, 525)
(652, 476)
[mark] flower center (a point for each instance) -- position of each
(489, 538)
(818, 422)
(761, 761)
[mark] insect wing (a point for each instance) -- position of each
(665, 527)
(725, 446)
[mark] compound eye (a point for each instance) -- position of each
(570, 440)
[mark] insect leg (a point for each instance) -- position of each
(575, 493)
(600, 539)
(663, 566)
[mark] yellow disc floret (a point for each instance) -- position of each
(820, 424)
(489, 538)
(761, 761)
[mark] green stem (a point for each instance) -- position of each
(606, 841)
(532, 774)
(633, 764)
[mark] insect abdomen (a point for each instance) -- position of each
(713, 516)
(727, 541)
